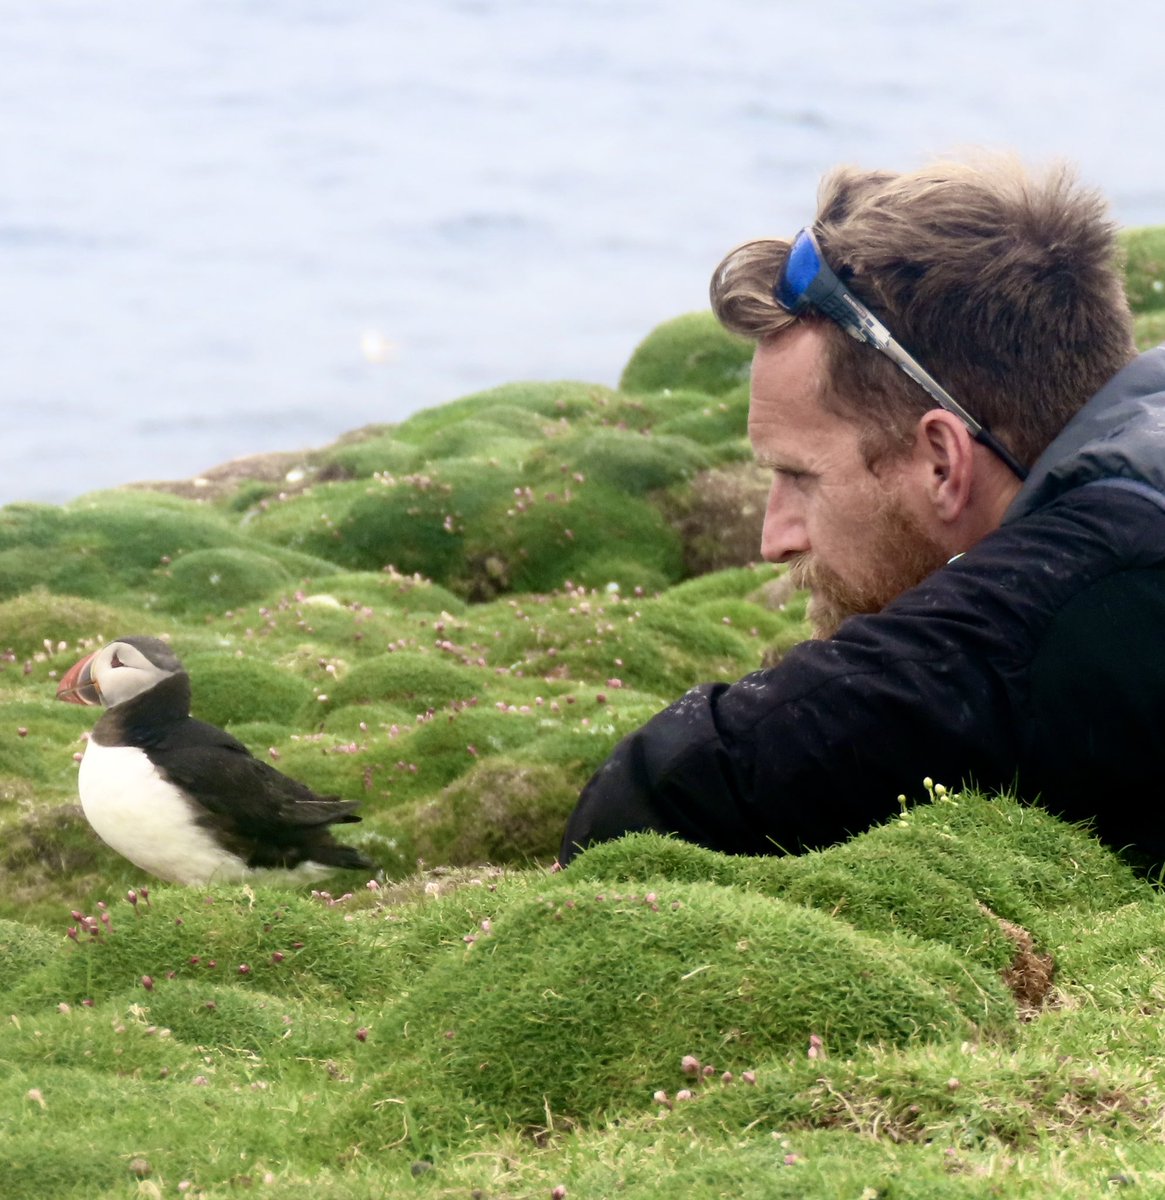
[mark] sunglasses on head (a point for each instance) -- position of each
(807, 281)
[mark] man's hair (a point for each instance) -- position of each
(1007, 286)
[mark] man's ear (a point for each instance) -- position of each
(945, 455)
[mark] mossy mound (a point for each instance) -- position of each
(416, 523)
(720, 422)
(720, 517)
(305, 521)
(52, 852)
(42, 622)
(480, 438)
(606, 991)
(580, 534)
(374, 452)
(212, 581)
(233, 689)
(594, 642)
(692, 352)
(119, 546)
(577, 995)
(565, 401)
(504, 484)
(23, 948)
(633, 462)
(934, 874)
(501, 811)
(414, 680)
(404, 594)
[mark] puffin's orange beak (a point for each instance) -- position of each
(78, 685)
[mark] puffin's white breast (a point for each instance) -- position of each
(148, 820)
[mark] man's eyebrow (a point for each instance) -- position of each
(777, 462)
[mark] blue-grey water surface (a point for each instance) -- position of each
(229, 226)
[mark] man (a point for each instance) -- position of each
(980, 521)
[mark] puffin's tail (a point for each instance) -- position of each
(343, 857)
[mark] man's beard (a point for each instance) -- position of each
(900, 554)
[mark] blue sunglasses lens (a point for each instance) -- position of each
(802, 266)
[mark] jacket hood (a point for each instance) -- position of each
(1119, 434)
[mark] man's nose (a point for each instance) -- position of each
(784, 535)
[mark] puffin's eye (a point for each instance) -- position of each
(115, 661)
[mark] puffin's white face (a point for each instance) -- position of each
(119, 672)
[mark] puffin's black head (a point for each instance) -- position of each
(119, 672)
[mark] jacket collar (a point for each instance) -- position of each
(1119, 434)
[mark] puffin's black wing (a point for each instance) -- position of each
(220, 773)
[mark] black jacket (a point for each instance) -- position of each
(1035, 661)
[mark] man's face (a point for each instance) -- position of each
(853, 538)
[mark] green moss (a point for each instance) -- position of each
(483, 439)
(229, 690)
(417, 524)
(534, 423)
(733, 584)
(1145, 267)
(52, 860)
(380, 452)
(502, 811)
(23, 948)
(651, 410)
(602, 570)
(119, 546)
(402, 593)
(212, 581)
(260, 736)
(723, 978)
(249, 495)
(715, 422)
(1149, 329)
(693, 351)
(142, 529)
(417, 680)
(556, 401)
(653, 645)
(551, 540)
(20, 759)
(694, 632)
(632, 462)
(306, 521)
(28, 621)
(925, 873)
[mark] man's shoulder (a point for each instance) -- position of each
(1077, 538)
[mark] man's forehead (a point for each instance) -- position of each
(789, 378)
(794, 358)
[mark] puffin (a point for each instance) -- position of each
(182, 799)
